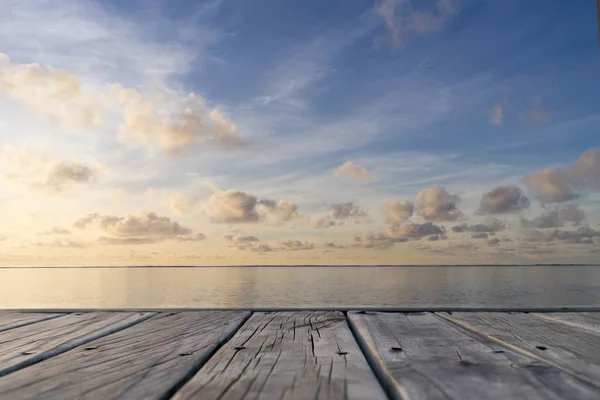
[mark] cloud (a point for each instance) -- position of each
(295, 245)
(435, 238)
(348, 210)
(537, 114)
(555, 218)
(331, 245)
(376, 240)
(496, 115)
(403, 20)
(56, 231)
(182, 204)
(397, 211)
(503, 199)
(580, 235)
(39, 171)
(436, 204)
(341, 212)
(3, 238)
(131, 229)
(51, 93)
(236, 207)
(62, 243)
(490, 225)
(174, 126)
(248, 243)
(198, 237)
(557, 185)
(479, 235)
(493, 242)
(353, 172)
(415, 230)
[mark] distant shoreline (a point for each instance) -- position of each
(298, 266)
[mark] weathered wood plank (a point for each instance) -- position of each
(11, 320)
(29, 344)
(149, 360)
(420, 356)
(574, 350)
(588, 320)
(287, 355)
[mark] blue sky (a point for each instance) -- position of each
(468, 95)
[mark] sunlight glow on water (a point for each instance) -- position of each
(264, 287)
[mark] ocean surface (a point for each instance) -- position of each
(281, 287)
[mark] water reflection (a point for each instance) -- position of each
(239, 287)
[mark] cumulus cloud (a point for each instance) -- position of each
(479, 235)
(580, 235)
(415, 230)
(248, 243)
(41, 172)
(376, 240)
(198, 237)
(555, 218)
(403, 19)
(173, 126)
(236, 207)
(493, 242)
(503, 199)
(397, 211)
(341, 212)
(490, 225)
(436, 204)
(295, 245)
(496, 115)
(134, 229)
(334, 246)
(352, 171)
(557, 185)
(176, 127)
(51, 93)
(182, 204)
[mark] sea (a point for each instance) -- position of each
(262, 287)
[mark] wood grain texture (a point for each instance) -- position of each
(11, 320)
(587, 320)
(29, 344)
(421, 356)
(564, 346)
(149, 360)
(287, 355)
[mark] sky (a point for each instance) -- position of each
(232, 132)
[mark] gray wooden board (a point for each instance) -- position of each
(584, 320)
(565, 346)
(11, 320)
(421, 356)
(146, 361)
(287, 355)
(29, 344)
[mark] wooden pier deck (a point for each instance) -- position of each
(299, 354)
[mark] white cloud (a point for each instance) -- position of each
(436, 204)
(557, 185)
(397, 211)
(352, 171)
(497, 115)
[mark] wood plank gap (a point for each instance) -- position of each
(520, 350)
(69, 346)
(202, 361)
(18, 325)
(391, 387)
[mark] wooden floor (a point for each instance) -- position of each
(299, 355)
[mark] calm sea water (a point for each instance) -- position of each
(263, 287)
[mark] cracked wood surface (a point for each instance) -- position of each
(29, 344)
(557, 343)
(287, 355)
(11, 320)
(149, 360)
(421, 356)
